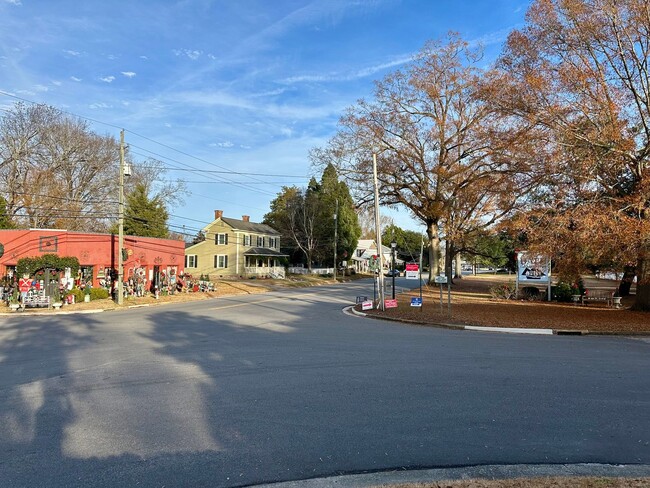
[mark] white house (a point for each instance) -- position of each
(366, 249)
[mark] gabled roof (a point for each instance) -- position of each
(237, 224)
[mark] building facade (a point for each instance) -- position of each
(146, 258)
(234, 247)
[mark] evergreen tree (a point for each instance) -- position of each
(143, 216)
(5, 219)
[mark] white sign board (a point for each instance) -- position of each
(440, 279)
(367, 305)
(532, 268)
(412, 271)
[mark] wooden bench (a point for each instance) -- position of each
(598, 295)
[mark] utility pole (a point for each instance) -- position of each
(120, 226)
(380, 253)
(336, 226)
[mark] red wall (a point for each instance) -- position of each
(97, 250)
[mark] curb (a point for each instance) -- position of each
(490, 472)
(507, 330)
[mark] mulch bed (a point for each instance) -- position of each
(473, 305)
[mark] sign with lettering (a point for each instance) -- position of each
(416, 302)
(440, 279)
(390, 303)
(532, 268)
(412, 271)
(361, 299)
(367, 305)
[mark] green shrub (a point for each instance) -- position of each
(563, 291)
(530, 293)
(98, 293)
(78, 295)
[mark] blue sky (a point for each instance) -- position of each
(247, 86)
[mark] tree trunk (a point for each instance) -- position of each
(449, 260)
(434, 251)
(642, 301)
(459, 269)
(626, 281)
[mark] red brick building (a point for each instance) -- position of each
(97, 253)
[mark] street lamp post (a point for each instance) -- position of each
(393, 245)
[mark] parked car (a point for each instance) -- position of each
(392, 272)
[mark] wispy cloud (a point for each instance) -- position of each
(144, 57)
(108, 79)
(14, 2)
(190, 53)
(56, 83)
(70, 52)
(95, 106)
(128, 74)
(74, 78)
(496, 37)
(350, 75)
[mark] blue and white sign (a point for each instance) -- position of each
(416, 302)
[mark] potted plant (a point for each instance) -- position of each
(86, 293)
(56, 298)
(14, 303)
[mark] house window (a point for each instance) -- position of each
(221, 239)
(221, 261)
(247, 240)
(191, 261)
(271, 242)
(260, 241)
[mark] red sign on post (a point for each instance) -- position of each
(390, 303)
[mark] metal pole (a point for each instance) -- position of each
(393, 274)
(120, 225)
(336, 217)
(380, 253)
(421, 252)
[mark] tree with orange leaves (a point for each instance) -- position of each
(578, 74)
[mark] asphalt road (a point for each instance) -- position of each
(284, 386)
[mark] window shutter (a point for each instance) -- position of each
(216, 238)
(216, 261)
(196, 261)
(225, 261)
(226, 241)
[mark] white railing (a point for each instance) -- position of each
(300, 270)
(276, 272)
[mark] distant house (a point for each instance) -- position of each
(366, 250)
(234, 247)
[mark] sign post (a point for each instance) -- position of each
(441, 280)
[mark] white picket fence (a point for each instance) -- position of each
(301, 270)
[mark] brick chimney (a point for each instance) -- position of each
(246, 218)
(218, 214)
